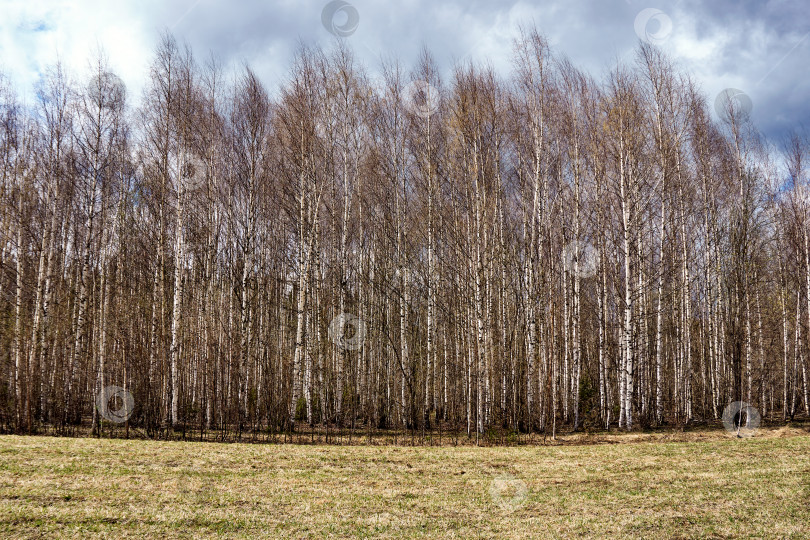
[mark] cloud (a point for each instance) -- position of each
(36, 34)
(759, 47)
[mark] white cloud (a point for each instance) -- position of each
(723, 44)
(35, 34)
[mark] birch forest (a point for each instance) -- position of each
(547, 251)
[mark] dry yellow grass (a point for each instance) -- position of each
(710, 486)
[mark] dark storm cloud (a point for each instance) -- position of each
(761, 48)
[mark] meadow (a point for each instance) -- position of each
(652, 485)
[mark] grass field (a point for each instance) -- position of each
(651, 486)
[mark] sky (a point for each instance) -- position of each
(758, 51)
